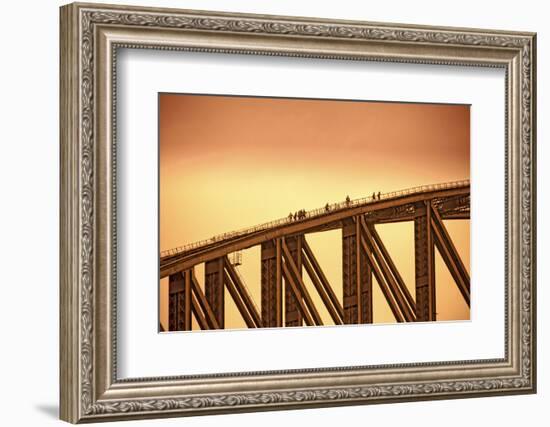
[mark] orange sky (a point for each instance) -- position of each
(233, 162)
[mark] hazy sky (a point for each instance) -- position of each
(232, 162)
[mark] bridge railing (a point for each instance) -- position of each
(329, 208)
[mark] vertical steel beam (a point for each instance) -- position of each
(278, 284)
(358, 290)
(293, 317)
(214, 289)
(349, 279)
(173, 309)
(179, 305)
(355, 266)
(424, 260)
(187, 301)
(271, 286)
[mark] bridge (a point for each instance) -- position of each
(286, 256)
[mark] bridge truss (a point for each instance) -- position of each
(287, 258)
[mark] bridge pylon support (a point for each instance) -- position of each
(271, 284)
(293, 316)
(214, 288)
(180, 300)
(424, 259)
(357, 276)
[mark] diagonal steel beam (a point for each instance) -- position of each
(203, 302)
(238, 301)
(439, 221)
(300, 284)
(323, 282)
(243, 293)
(201, 319)
(394, 288)
(450, 255)
(381, 282)
(391, 265)
(295, 291)
(320, 289)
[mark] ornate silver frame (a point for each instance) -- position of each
(90, 36)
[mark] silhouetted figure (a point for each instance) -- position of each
(327, 208)
(379, 195)
(348, 200)
(295, 216)
(290, 217)
(373, 195)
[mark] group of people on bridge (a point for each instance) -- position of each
(301, 214)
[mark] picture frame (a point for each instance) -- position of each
(91, 35)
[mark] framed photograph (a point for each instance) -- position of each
(266, 212)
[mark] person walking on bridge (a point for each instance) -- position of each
(379, 195)
(348, 200)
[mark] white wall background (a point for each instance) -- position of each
(29, 171)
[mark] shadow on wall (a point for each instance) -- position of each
(51, 410)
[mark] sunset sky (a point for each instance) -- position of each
(232, 162)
